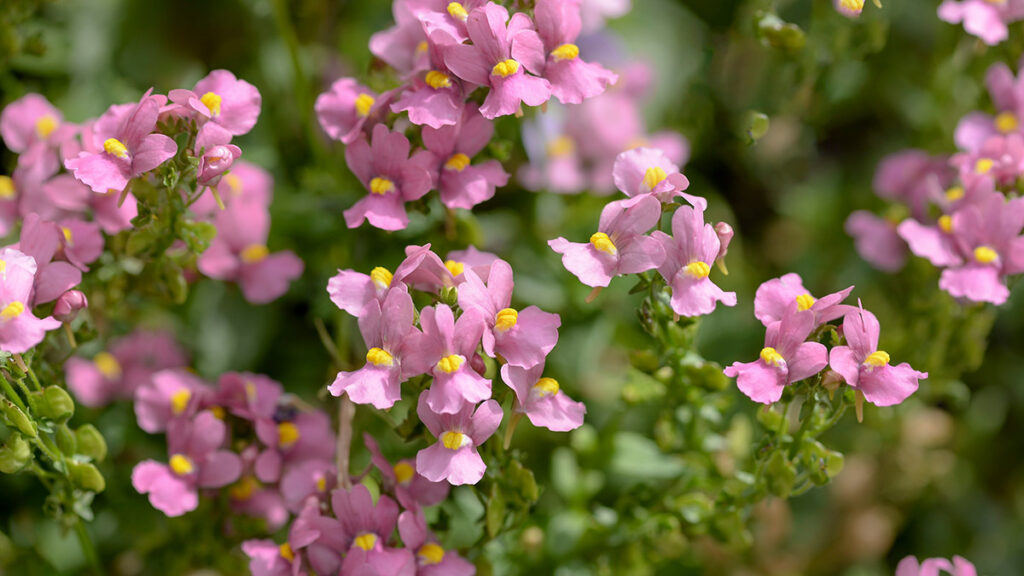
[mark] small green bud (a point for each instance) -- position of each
(86, 476)
(770, 419)
(91, 442)
(66, 440)
(19, 419)
(14, 454)
(450, 295)
(781, 475)
(56, 404)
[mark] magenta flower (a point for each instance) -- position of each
(866, 368)
(454, 456)
(305, 437)
(196, 461)
(63, 195)
(126, 146)
(239, 254)
(308, 481)
(390, 177)
(354, 291)
(618, 247)
(689, 254)
(556, 164)
(224, 100)
(170, 395)
(316, 540)
(20, 329)
(266, 558)
(446, 349)
(489, 62)
(431, 558)
(389, 334)
(913, 177)
(649, 171)
(542, 399)
(786, 358)
(366, 529)
(81, 242)
(936, 243)
(774, 299)
(130, 363)
(1000, 158)
(252, 397)
(404, 45)
(345, 108)
(931, 567)
(250, 498)
(1007, 94)
(41, 240)
(34, 129)
(243, 183)
(986, 19)
(432, 274)
(434, 98)
(410, 487)
(448, 157)
(877, 241)
(523, 338)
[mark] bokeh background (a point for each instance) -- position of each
(942, 474)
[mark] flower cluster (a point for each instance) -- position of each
(443, 343)
(986, 19)
(909, 566)
(444, 52)
(964, 214)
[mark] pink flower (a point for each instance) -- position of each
(130, 362)
(558, 24)
(250, 498)
(786, 358)
(308, 481)
(354, 291)
(931, 567)
(34, 129)
(454, 456)
(649, 171)
(345, 108)
(618, 247)
(523, 338)
(366, 529)
(215, 154)
(864, 367)
(69, 305)
(63, 194)
(306, 436)
(266, 558)
(126, 146)
(877, 241)
(404, 45)
(20, 329)
(169, 396)
(389, 334)
(81, 242)
(1000, 158)
(689, 254)
(936, 243)
(243, 183)
(985, 19)
(774, 299)
(913, 177)
(41, 240)
(434, 98)
(489, 62)
(542, 399)
(1007, 94)
(410, 487)
(431, 558)
(196, 461)
(252, 397)
(390, 178)
(239, 254)
(555, 164)
(224, 100)
(446, 350)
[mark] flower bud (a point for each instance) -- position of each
(18, 418)
(91, 442)
(215, 162)
(55, 404)
(450, 295)
(86, 476)
(725, 234)
(66, 440)
(69, 304)
(14, 454)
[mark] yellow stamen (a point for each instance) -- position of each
(179, 401)
(955, 193)
(287, 434)
(68, 238)
(404, 472)
(852, 5)
(321, 484)
(698, 269)
(1006, 122)
(212, 102)
(366, 541)
(506, 319)
(457, 162)
(12, 310)
(566, 52)
(603, 243)
(654, 176)
(364, 102)
(985, 255)
(454, 440)
(254, 253)
(430, 554)
(877, 358)
(450, 363)
(3, 267)
(381, 186)
(286, 552)
(381, 277)
(218, 412)
(946, 223)
(233, 182)
(458, 11)
(454, 267)
(6, 187)
(437, 80)
(182, 465)
(505, 68)
(45, 126)
(107, 365)
(804, 302)
(244, 488)
(546, 387)
(984, 165)
(561, 146)
(770, 356)
(250, 391)
(114, 147)
(422, 47)
(379, 357)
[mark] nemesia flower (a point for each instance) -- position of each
(81, 242)
(20, 329)
(866, 368)
(689, 254)
(434, 98)
(69, 304)
(1008, 96)
(63, 194)
(410, 487)
(309, 480)
(196, 461)
(390, 177)
(448, 157)
(170, 395)
(345, 108)
(366, 528)
(489, 62)
(542, 399)
(34, 129)
(775, 297)
(555, 164)
(595, 12)
(936, 243)
(244, 182)
(522, 337)
(266, 558)
(986, 19)
(877, 240)
(913, 177)
(448, 18)
(445, 350)
(432, 274)
(224, 100)
(129, 363)
(618, 247)
(215, 153)
(404, 45)
(849, 8)
(551, 52)
(353, 291)
(478, 260)
(454, 456)
(431, 558)
(41, 240)
(306, 436)
(389, 334)
(1000, 158)
(786, 358)
(931, 567)
(125, 145)
(317, 540)
(252, 397)
(649, 171)
(251, 498)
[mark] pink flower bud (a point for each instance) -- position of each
(69, 304)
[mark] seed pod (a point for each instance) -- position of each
(91, 442)
(14, 454)
(66, 440)
(56, 404)
(86, 476)
(19, 419)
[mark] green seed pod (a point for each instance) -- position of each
(19, 419)
(86, 476)
(14, 454)
(450, 295)
(56, 404)
(91, 442)
(66, 440)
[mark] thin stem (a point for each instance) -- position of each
(329, 345)
(302, 93)
(346, 412)
(88, 550)
(11, 394)
(31, 374)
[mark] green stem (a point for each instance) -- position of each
(302, 92)
(11, 394)
(88, 550)
(32, 376)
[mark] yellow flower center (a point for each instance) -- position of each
(946, 223)
(254, 253)
(458, 11)
(984, 165)
(437, 80)
(233, 182)
(379, 357)
(179, 401)
(114, 147)
(654, 176)
(698, 269)
(287, 434)
(561, 146)
(366, 541)
(404, 472)
(546, 387)
(430, 553)
(12, 310)
(506, 319)
(321, 484)
(244, 488)
(450, 363)
(877, 358)
(46, 126)
(457, 162)
(212, 102)
(6, 187)
(218, 412)
(364, 102)
(603, 243)
(422, 47)
(381, 186)
(182, 465)
(286, 552)
(955, 193)
(381, 277)
(771, 357)
(454, 267)
(68, 238)
(566, 52)
(985, 255)
(107, 365)
(453, 440)
(1006, 122)
(505, 68)
(853, 5)
(804, 302)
